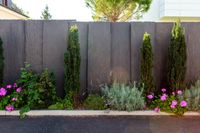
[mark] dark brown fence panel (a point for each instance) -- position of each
(99, 54)
(34, 44)
(163, 31)
(13, 36)
(137, 31)
(121, 52)
(54, 46)
(192, 32)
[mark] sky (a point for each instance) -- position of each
(59, 9)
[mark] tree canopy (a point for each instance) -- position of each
(117, 10)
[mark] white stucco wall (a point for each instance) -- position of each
(162, 10)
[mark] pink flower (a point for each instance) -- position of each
(3, 92)
(150, 96)
(163, 97)
(174, 103)
(14, 99)
(183, 103)
(10, 108)
(9, 86)
(15, 85)
(163, 90)
(179, 92)
(173, 93)
(157, 109)
(19, 89)
(172, 106)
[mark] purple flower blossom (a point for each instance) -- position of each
(173, 106)
(3, 92)
(19, 89)
(183, 103)
(9, 86)
(15, 85)
(157, 109)
(174, 103)
(163, 90)
(14, 99)
(163, 97)
(179, 92)
(150, 96)
(10, 108)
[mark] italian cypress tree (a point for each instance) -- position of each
(1, 62)
(147, 64)
(177, 57)
(72, 62)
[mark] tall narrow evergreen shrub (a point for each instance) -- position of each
(147, 64)
(72, 62)
(1, 62)
(177, 57)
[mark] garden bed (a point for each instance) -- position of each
(93, 113)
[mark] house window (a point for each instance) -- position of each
(5, 2)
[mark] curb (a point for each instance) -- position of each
(92, 113)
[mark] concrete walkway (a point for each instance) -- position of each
(100, 124)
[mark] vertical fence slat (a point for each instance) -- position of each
(99, 54)
(120, 52)
(54, 46)
(34, 44)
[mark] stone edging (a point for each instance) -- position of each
(92, 113)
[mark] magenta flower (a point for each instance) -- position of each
(14, 99)
(174, 103)
(19, 89)
(173, 106)
(183, 103)
(179, 92)
(150, 96)
(3, 92)
(15, 85)
(163, 90)
(157, 109)
(9, 86)
(163, 97)
(10, 108)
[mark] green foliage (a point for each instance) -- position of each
(177, 57)
(123, 97)
(1, 62)
(147, 64)
(192, 96)
(46, 14)
(66, 103)
(117, 10)
(72, 61)
(39, 90)
(94, 102)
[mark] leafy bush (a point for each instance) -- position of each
(94, 102)
(1, 62)
(39, 89)
(147, 64)
(72, 62)
(177, 58)
(124, 97)
(192, 96)
(66, 103)
(169, 103)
